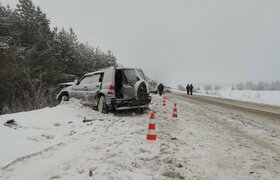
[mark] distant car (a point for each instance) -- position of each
(153, 86)
(112, 88)
(167, 89)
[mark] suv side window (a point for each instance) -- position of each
(86, 80)
(95, 78)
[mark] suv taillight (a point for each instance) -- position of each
(111, 89)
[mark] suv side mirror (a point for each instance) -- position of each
(76, 81)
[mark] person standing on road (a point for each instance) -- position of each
(188, 89)
(191, 88)
(160, 89)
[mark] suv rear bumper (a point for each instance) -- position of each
(121, 104)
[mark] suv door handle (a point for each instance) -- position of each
(97, 86)
(85, 87)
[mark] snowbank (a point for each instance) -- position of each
(38, 129)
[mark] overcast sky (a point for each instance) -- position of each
(179, 41)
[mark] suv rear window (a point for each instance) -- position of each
(141, 74)
(131, 75)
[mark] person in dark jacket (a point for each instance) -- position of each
(160, 89)
(188, 89)
(191, 88)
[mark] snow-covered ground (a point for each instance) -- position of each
(263, 97)
(38, 129)
(203, 143)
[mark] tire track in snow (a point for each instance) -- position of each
(110, 125)
(265, 152)
(211, 113)
(33, 155)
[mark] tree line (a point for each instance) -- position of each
(260, 86)
(34, 58)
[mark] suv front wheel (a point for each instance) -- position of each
(63, 97)
(101, 107)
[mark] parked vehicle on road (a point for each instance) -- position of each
(153, 86)
(168, 89)
(112, 88)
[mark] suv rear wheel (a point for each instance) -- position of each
(101, 107)
(141, 90)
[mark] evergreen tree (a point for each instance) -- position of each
(34, 58)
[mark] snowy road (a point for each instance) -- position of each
(207, 141)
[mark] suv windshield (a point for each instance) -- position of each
(131, 75)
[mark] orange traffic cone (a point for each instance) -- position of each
(164, 102)
(152, 128)
(174, 115)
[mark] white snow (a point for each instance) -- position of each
(263, 97)
(38, 129)
(54, 143)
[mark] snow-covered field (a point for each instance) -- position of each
(203, 143)
(263, 97)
